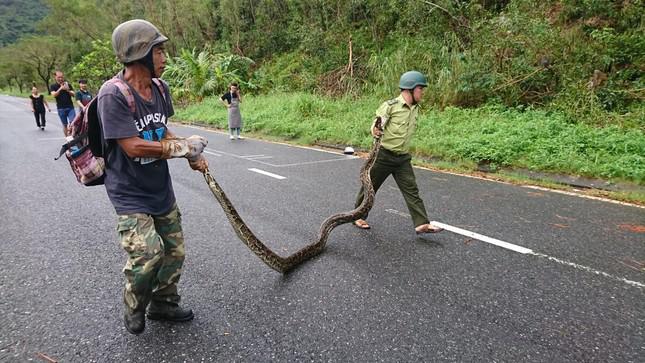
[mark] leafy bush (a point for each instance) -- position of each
(97, 66)
(194, 75)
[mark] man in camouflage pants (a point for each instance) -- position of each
(134, 109)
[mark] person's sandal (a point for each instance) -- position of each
(361, 224)
(427, 228)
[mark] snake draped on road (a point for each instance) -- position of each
(285, 264)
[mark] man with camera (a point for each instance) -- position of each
(63, 93)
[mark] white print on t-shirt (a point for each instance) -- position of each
(147, 119)
(150, 134)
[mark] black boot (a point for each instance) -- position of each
(160, 310)
(135, 321)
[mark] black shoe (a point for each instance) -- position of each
(168, 311)
(135, 321)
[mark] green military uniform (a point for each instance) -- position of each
(394, 157)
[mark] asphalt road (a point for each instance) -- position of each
(378, 295)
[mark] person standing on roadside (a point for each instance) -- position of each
(137, 179)
(398, 122)
(83, 96)
(38, 104)
(63, 93)
(232, 100)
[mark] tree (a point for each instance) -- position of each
(99, 65)
(13, 71)
(43, 54)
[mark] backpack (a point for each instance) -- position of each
(84, 149)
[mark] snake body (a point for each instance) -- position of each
(285, 264)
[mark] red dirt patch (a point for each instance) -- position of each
(632, 228)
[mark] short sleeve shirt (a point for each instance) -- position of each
(400, 126)
(84, 96)
(37, 102)
(135, 185)
(64, 99)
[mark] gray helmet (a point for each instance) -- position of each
(134, 39)
(411, 79)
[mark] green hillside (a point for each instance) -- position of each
(19, 18)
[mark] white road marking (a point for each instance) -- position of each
(583, 196)
(255, 158)
(211, 153)
(528, 251)
(267, 173)
(481, 237)
(251, 156)
(394, 211)
(589, 269)
(314, 162)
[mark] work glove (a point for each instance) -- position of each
(189, 148)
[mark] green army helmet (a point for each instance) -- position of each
(134, 39)
(411, 79)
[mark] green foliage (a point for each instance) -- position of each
(193, 75)
(538, 141)
(18, 18)
(518, 53)
(494, 134)
(97, 66)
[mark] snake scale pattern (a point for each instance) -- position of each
(285, 264)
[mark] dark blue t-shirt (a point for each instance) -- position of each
(136, 185)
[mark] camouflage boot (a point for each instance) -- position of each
(170, 311)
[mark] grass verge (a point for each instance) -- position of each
(455, 139)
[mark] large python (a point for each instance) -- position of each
(285, 264)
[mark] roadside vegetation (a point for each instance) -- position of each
(552, 86)
(494, 135)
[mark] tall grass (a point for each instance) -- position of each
(532, 139)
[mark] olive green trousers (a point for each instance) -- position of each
(399, 166)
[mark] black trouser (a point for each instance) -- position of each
(40, 118)
(399, 166)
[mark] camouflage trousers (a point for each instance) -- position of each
(155, 247)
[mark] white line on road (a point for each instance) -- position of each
(254, 158)
(589, 269)
(251, 156)
(267, 173)
(212, 153)
(394, 211)
(481, 237)
(528, 251)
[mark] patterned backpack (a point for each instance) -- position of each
(84, 148)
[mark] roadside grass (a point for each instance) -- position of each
(25, 94)
(454, 139)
